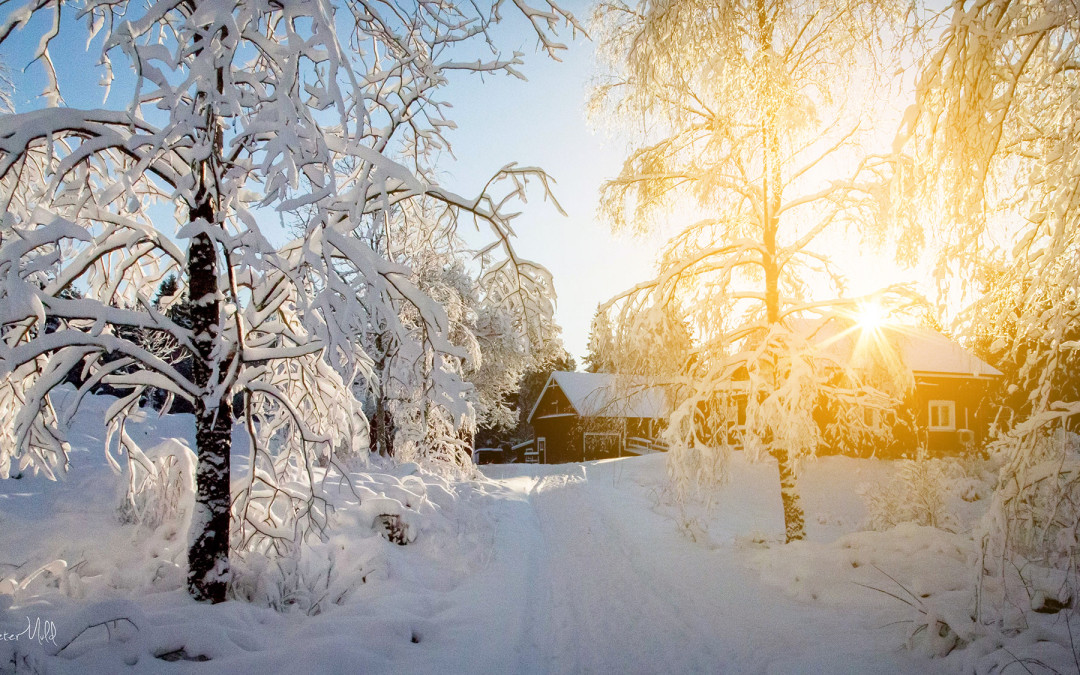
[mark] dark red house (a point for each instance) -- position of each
(951, 387)
(587, 416)
(580, 417)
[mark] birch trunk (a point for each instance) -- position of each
(208, 551)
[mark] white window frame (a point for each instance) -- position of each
(541, 449)
(947, 405)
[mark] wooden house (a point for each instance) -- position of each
(587, 416)
(949, 401)
(580, 417)
(946, 411)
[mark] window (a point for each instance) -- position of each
(942, 416)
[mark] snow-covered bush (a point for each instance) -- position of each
(1036, 508)
(161, 487)
(309, 582)
(372, 518)
(993, 146)
(918, 493)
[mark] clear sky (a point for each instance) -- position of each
(539, 122)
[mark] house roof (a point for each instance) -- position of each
(608, 395)
(923, 350)
(928, 351)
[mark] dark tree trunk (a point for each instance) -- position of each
(208, 553)
(382, 422)
(794, 528)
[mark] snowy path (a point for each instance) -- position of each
(578, 568)
(609, 606)
(615, 588)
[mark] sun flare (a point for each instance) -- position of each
(871, 316)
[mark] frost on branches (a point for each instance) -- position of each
(993, 145)
(499, 317)
(326, 112)
(745, 103)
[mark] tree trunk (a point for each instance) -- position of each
(208, 550)
(771, 193)
(794, 528)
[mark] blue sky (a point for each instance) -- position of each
(501, 119)
(541, 122)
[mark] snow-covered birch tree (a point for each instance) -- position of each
(742, 111)
(239, 111)
(499, 316)
(992, 146)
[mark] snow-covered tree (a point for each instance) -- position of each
(741, 111)
(653, 343)
(601, 344)
(240, 112)
(553, 357)
(992, 146)
(501, 323)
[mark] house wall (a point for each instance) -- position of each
(562, 444)
(961, 404)
(570, 438)
(950, 413)
(965, 399)
(602, 438)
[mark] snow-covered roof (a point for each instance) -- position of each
(923, 350)
(928, 351)
(609, 395)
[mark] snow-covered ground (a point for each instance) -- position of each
(533, 569)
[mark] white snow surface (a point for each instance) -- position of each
(576, 568)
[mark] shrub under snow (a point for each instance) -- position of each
(917, 493)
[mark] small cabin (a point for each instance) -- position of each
(952, 411)
(580, 417)
(947, 411)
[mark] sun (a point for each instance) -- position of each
(871, 316)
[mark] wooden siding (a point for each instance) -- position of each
(571, 438)
(971, 414)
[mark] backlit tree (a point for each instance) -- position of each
(992, 146)
(741, 112)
